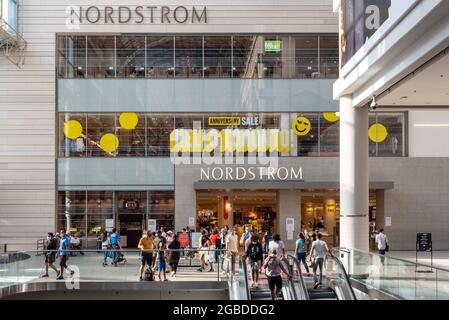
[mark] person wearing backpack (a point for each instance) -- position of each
(50, 256)
(301, 252)
(255, 254)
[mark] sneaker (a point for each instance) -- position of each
(199, 270)
(172, 274)
(165, 279)
(45, 276)
(60, 278)
(211, 270)
(316, 285)
(140, 279)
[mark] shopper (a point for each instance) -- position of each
(204, 246)
(174, 255)
(301, 252)
(232, 249)
(114, 238)
(248, 240)
(215, 243)
(273, 267)
(105, 247)
(50, 255)
(160, 257)
(63, 254)
(382, 244)
(255, 255)
(278, 245)
(75, 244)
(318, 253)
(146, 245)
(266, 241)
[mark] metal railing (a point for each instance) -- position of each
(297, 279)
(337, 278)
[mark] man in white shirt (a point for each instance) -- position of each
(278, 245)
(382, 244)
(232, 248)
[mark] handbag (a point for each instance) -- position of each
(387, 248)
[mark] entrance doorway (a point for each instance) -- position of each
(256, 210)
(320, 209)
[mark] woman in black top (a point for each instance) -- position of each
(174, 255)
(50, 256)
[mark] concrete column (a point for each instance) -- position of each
(354, 176)
(288, 206)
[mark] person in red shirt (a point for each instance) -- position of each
(213, 238)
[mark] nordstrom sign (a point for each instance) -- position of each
(138, 14)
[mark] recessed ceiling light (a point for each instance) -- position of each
(404, 97)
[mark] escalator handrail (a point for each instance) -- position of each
(344, 273)
(245, 277)
(301, 279)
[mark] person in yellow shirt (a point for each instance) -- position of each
(146, 245)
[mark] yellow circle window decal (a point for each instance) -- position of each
(331, 116)
(73, 129)
(378, 133)
(109, 142)
(128, 120)
(301, 126)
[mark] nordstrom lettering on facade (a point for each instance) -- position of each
(139, 14)
(251, 174)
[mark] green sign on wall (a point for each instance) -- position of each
(272, 46)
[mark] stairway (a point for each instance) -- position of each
(263, 292)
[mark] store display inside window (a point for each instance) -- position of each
(207, 218)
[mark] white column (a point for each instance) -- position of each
(354, 176)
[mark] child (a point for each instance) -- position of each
(161, 265)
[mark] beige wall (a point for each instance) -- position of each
(27, 95)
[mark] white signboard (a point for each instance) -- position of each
(152, 225)
(192, 222)
(109, 224)
(387, 221)
(289, 235)
(290, 224)
(196, 239)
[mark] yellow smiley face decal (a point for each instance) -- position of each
(301, 126)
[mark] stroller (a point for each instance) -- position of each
(121, 258)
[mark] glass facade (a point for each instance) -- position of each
(148, 134)
(86, 212)
(199, 56)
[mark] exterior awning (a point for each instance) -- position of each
(282, 185)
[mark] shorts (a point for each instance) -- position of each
(63, 262)
(255, 265)
(161, 265)
(275, 282)
(146, 258)
(50, 257)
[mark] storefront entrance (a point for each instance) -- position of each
(256, 210)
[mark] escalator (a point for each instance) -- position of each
(335, 283)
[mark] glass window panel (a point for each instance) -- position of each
(329, 135)
(189, 57)
(392, 146)
(308, 144)
(160, 61)
(131, 56)
(98, 125)
(71, 145)
(274, 57)
(159, 128)
(217, 57)
(72, 211)
(72, 56)
(132, 202)
(131, 141)
(329, 57)
(101, 57)
(162, 208)
(188, 121)
(246, 56)
(99, 208)
(306, 57)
